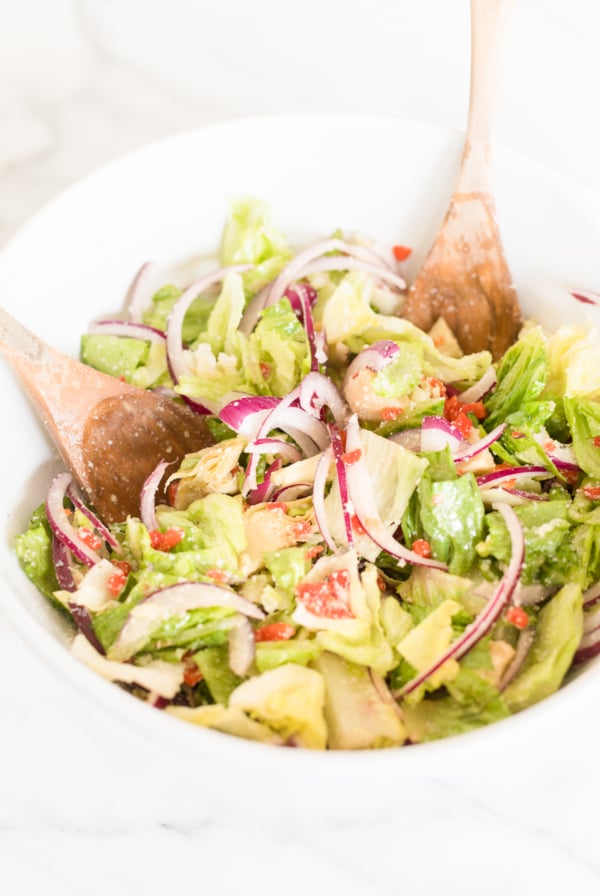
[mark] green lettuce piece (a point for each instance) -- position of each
(356, 715)
(402, 374)
(204, 627)
(394, 473)
(34, 552)
(426, 589)
(222, 332)
(229, 720)
(547, 532)
(348, 317)
(473, 704)
(249, 237)
(452, 515)
(271, 654)
(278, 355)
(522, 375)
(213, 663)
(156, 314)
(583, 416)
(558, 633)
(287, 566)
(138, 362)
(289, 699)
(573, 358)
(109, 622)
(427, 642)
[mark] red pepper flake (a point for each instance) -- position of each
(357, 526)
(352, 457)
(596, 441)
(421, 547)
(265, 369)
(301, 529)
(123, 565)
(516, 434)
(436, 384)
(518, 617)
(401, 253)
(275, 631)
(476, 408)
(391, 413)
(217, 575)
(89, 537)
(277, 506)
(549, 446)
(116, 582)
(164, 541)
(592, 492)
(452, 408)
(314, 551)
(192, 674)
(463, 424)
(328, 598)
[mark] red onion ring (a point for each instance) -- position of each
(320, 481)
(476, 448)
(496, 477)
(524, 642)
(437, 433)
(317, 392)
(492, 610)
(135, 298)
(127, 328)
(148, 496)
(361, 495)
(479, 389)
(275, 446)
(62, 566)
(341, 263)
(340, 469)
(300, 292)
(586, 296)
(292, 492)
(83, 620)
(592, 595)
(76, 498)
(59, 522)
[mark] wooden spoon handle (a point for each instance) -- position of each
(489, 20)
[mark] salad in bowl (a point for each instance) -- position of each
(389, 541)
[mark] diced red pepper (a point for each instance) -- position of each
(265, 369)
(116, 582)
(357, 526)
(596, 441)
(301, 529)
(123, 565)
(328, 598)
(275, 631)
(391, 413)
(477, 408)
(435, 383)
(351, 457)
(463, 424)
(314, 551)
(452, 408)
(422, 547)
(592, 492)
(401, 253)
(518, 617)
(192, 674)
(164, 541)
(217, 575)
(89, 537)
(278, 506)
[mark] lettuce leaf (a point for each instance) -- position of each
(452, 515)
(583, 416)
(249, 237)
(522, 375)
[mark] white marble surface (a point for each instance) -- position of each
(86, 804)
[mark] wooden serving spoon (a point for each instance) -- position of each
(465, 278)
(110, 435)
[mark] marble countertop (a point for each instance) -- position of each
(88, 805)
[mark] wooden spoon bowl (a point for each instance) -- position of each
(110, 435)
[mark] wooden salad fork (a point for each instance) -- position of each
(465, 278)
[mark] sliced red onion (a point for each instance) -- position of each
(591, 621)
(127, 328)
(245, 414)
(497, 477)
(475, 449)
(528, 496)
(302, 293)
(242, 647)
(292, 492)
(253, 310)
(437, 434)
(76, 498)
(492, 610)
(586, 296)
(270, 423)
(310, 434)
(375, 252)
(275, 446)
(320, 481)
(263, 491)
(62, 567)
(83, 620)
(148, 496)
(317, 391)
(375, 357)
(479, 389)
(361, 495)
(408, 438)
(175, 349)
(592, 595)
(59, 521)
(343, 263)
(293, 269)
(175, 600)
(524, 642)
(340, 469)
(157, 701)
(135, 299)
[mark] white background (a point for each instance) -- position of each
(82, 82)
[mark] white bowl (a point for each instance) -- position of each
(388, 179)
